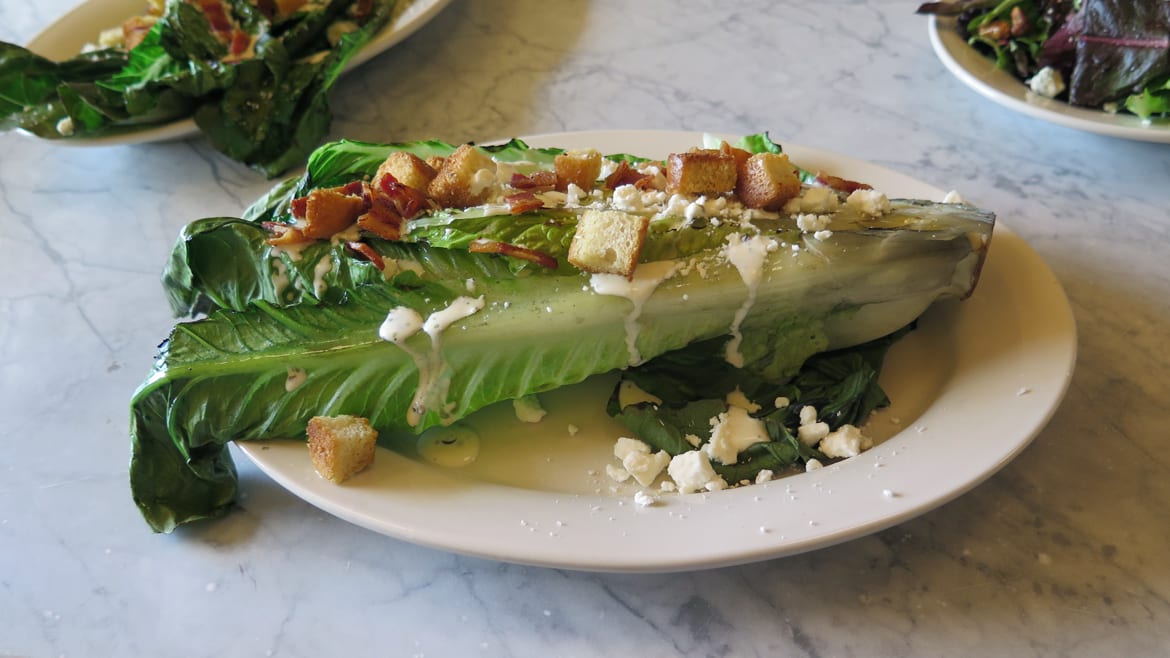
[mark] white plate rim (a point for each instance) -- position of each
(416, 14)
(981, 75)
(937, 457)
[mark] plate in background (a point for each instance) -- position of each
(66, 36)
(981, 74)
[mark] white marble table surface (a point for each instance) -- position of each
(1062, 553)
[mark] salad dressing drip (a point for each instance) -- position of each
(647, 277)
(747, 255)
(433, 380)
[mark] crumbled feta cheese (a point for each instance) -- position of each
(810, 431)
(626, 446)
(848, 441)
(868, 202)
(643, 499)
(813, 464)
(675, 206)
(810, 223)
(1048, 82)
(732, 432)
(764, 475)
(808, 414)
(693, 440)
(691, 471)
(65, 126)
(782, 402)
(627, 197)
(823, 235)
(573, 195)
(813, 200)
(617, 473)
(607, 167)
(695, 210)
(645, 467)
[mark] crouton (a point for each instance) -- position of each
(767, 181)
(581, 168)
(341, 446)
(408, 169)
(329, 211)
(700, 171)
(608, 241)
(459, 183)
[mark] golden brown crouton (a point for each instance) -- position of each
(408, 169)
(341, 446)
(608, 241)
(701, 171)
(329, 211)
(767, 181)
(581, 168)
(457, 183)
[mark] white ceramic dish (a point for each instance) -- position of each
(980, 73)
(970, 387)
(66, 36)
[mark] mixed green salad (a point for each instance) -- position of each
(783, 303)
(253, 74)
(1103, 54)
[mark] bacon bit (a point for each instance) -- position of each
(405, 201)
(841, 184)
(355, 188)
(298, 206)
(240, 42)
(284, 235)
(523, 202)
(365, 252)
(382, 221)
(216, 15)
(627, 175)
(540, 181)
(483, 246)
(134, 30)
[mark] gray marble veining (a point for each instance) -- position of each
(1062, 553)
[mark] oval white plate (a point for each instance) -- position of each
(980, 73)
(970, 388)
(66, 36)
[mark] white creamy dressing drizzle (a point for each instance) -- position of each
(279, 277)
(401, 323)
(296, 377)
(323, 267)
(638, 289)
(747, 255)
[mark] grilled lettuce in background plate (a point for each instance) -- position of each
(816, 330)
(257, 89)
(1108, 51)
